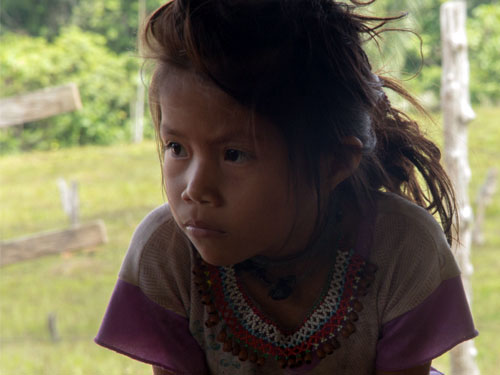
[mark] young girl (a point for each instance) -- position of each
(297, 238)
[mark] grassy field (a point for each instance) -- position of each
(120, 184)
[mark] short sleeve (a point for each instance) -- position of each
(147, 316)
(422, 305)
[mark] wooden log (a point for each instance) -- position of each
(53, 242)
(39, 104)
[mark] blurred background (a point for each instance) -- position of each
(97, 163)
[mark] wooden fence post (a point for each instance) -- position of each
(457, 112)
(483, 199)
(52, 325)
(70, 200)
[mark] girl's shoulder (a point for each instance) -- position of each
(158, 259)
(398, 219)
(148, 315)
(418, 290)
(411, 252)
(396, 208)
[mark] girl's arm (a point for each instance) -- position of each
(419, 370)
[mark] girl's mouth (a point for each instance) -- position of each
(200, 229)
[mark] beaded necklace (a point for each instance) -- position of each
(248, 334)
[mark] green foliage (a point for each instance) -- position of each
(37, 18)
(116, 20)
(484, 43)
(105, 81)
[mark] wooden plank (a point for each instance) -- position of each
(39, 104)
(52, 242)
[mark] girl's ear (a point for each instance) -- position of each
(338, 172)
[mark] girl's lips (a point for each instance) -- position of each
(200, 229)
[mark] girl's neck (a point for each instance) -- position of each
(338, 225)
(284, 276)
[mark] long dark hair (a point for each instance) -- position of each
(301, 64)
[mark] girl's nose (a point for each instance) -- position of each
(202, 185)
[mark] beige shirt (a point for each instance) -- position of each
(408, 247)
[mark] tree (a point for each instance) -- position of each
(457, 113)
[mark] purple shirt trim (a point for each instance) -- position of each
(439, 323)
(141, 329)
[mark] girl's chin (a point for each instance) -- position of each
(219, 260)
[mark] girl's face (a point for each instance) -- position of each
(227, 176)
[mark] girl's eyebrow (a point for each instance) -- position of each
(229, 135)
(164, 130)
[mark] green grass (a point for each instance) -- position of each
(120, 184)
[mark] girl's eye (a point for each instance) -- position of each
(175, 149)
(235, 156)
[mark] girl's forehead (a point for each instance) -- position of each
(190, 101)
(180, 88)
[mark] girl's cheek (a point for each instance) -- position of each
(171, 167)
(174, 173)
(169, 176)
